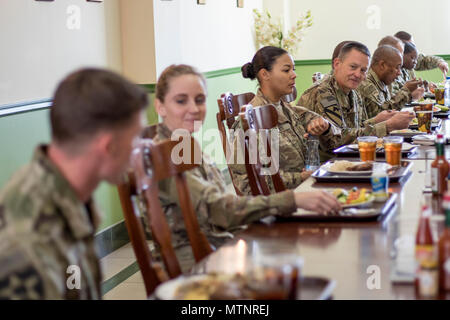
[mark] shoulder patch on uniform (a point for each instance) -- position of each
(328, 101)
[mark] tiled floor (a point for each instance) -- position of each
(131, 288)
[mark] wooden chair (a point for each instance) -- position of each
(149, 132)
(151, 273)
(255, 119)
(152, 163)
(229, 108)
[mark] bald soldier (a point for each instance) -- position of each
(48, 218)
(424, 62)
(337, 100)
(384, 69)
(393, 42)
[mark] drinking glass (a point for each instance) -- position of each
(312, 155)
(393, 149)
(367, 148)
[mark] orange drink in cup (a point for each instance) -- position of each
(424, 114)
(393, 149)
(367, 148)
(439, 94)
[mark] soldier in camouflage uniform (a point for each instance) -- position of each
(293, 131)
(337, 100)
(424, 62)
(385, 67)
(47, 216)
(181, 101)
(276, 76)
(407, 72)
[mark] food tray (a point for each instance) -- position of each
(395, 174)
(310, 288)
(381, 209)
(346, 152)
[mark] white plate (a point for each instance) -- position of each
(168, 289)
(327, 166)
(360, 205)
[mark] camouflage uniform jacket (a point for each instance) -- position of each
(405, 76)
(377, 98)
(292, 125)
(219, 211)
(302, 100)
(44, 229)
(346, 111)
(427, 62)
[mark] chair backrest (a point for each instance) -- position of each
(152, 163)
(163, 166)
(291, 97)
(255, 119)
(150, 275)
(229, 108)
(149, 132)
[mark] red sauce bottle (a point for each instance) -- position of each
(427, 281)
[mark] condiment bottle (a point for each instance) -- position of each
(380, 182)
(427, 281)
(444, 248)
(439, 168)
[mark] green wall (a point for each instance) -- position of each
(20, 133)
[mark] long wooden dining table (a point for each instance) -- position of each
(359, 257)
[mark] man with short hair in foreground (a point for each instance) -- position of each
(47, 215)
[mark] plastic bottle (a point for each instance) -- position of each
(444, 248)
(427, 272)
(447, 92)
(380, 182)
(439, 168)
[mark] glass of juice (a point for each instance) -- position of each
(393, 149)
(439, 94)
(424, 114)
(367, 148)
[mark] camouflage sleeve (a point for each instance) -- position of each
(376, 104)
(19, 278)
(396, 86)
(427, 62)
(330, 110)
(226, 210)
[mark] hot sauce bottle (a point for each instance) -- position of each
(439, 168)
(444, 248)
(426, 281)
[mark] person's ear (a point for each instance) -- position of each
(159, 107)
(105, 144)
(336, 62)
(264, 74)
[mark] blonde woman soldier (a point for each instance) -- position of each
(181, 103)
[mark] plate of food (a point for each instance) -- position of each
(415, 122)
(222, 286)
(406, 132)
(345, 167)
(442, 108)
(354, 197)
